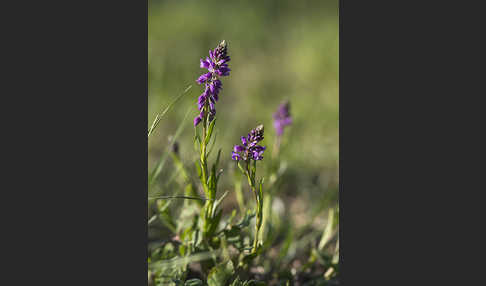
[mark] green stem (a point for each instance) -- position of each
(258, 222)
(204, 168)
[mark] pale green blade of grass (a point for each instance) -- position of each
(160, 115)
(178, 197)
(328, 230)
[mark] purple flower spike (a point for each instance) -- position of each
(281, 118)
(250, 150)
(217, 66)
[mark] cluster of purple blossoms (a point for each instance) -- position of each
(217, 66)
(250, 148)
(281, 118)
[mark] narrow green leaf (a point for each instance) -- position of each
(210, 131)
(215, 222)
(218, 175)
(193, 282)
(213, 142)
(168, 221)
(328, 230)
(197, 139)
(177, 197)
(217, 159)
(218, 201)
(198, 169)
(260, 194)
(211, 182)
(335, 258)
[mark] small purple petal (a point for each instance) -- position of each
(203, 78)
(238, 148)
(197, 120)
(255, 155)
(235, 156)
(258, 148)
(204, 63)
(201, 99)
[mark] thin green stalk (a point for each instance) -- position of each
(257, 223)
(210, 193)
(250, 174)
(159, 116)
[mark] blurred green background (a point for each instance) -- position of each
(279, 50)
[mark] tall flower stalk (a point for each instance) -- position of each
(217, 66)
(247, 154)
(281, 119)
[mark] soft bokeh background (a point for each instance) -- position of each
(279, 50)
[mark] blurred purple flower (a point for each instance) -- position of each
(281, 118)
(250, 148)
(217, 66)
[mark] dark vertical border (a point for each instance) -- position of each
(78, 205)
(400, 93)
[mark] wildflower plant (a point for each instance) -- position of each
(217, 66)
(246, 155)
(281, 119)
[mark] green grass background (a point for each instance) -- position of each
(279, 50)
